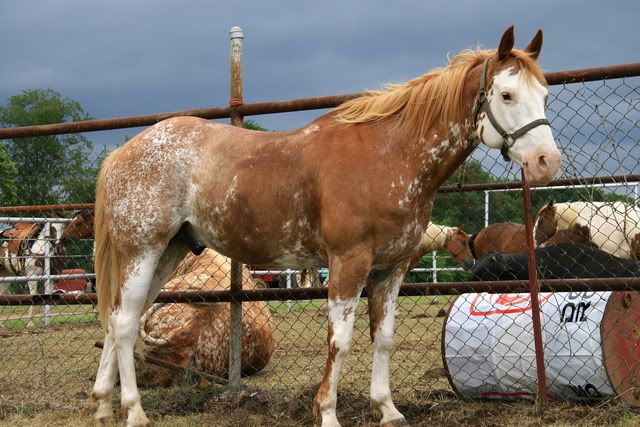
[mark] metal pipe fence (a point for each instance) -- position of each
(595, 120)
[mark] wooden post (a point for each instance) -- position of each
(235, 330)
(533, 289)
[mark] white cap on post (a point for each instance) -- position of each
(235, 33)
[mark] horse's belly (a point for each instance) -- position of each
(258, 247)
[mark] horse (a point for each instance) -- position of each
(80, 226)
(23, 251)
(502, 237)
(443, 238)
(613, 227)
(562, 261)
(196, 335)
(354, 192)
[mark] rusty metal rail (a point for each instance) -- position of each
(300, 104)
(595, 180)
(298, 294)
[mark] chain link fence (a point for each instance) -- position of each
(473, 345)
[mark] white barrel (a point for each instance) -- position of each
(488, 347)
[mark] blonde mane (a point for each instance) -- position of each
(431, 98)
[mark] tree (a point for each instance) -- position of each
(253, 125)
(49, 168)
(8, 173)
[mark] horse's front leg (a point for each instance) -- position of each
(349, 272)
(382, 293)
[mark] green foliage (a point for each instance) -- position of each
(253, 125)
(8, 173)
(51, 169)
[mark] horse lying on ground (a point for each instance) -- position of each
(196, 335)
(562, 261)
(613, 227)
(23, 249)
(442, 238)
(354, 191)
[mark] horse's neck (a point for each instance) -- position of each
(435, 238)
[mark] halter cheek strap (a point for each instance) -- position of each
(483, 101)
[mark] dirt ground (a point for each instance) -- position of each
(46, 375)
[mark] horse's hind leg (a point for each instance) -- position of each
(348, 275)
(110, 359)
(382, 294)
(105, 379)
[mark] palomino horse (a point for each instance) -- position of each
(197, 336)
(613, 227)
(23, 250)
(442, 238)
(354, 191)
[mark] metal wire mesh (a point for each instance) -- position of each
(486, 349)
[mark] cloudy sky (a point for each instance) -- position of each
(135, 57)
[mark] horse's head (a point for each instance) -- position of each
(546, 224)
(457, 244)
(81, 226)
(509, 113)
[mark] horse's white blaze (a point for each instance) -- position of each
(341, 318)
(526, 105)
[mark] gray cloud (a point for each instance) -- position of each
(121, 57)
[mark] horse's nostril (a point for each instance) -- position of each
(542, 163)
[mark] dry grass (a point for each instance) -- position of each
(47, 373)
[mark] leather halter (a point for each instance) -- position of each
(483, 101)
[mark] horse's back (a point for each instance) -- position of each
(503, 237)
(612, 225)
(233, 186)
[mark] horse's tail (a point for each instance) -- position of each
(108, 260)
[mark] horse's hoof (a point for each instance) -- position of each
(396, 423)
(103, 421)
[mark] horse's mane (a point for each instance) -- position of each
(433, 97)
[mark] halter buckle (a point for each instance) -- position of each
(509, 141)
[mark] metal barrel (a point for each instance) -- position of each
(591, 342)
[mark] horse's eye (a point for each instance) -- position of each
(506, 96)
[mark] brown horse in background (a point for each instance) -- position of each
(503, 237)
(80, 226)
(354, 191)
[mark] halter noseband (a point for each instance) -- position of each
(483, 101)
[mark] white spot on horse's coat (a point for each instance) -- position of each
(310, 129)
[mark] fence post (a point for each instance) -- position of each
(48, 283)
(235, 319)
(533, 290)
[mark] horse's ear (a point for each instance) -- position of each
(550, 204)
(506, 44)
(535, 46)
